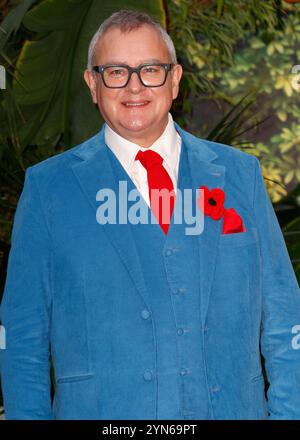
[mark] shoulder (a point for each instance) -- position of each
(223, 151)
(232, 157)
(241, 170)
(57, 167)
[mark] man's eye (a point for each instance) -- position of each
(151, 69)
(117, 72)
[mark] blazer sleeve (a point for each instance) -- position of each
(25, 312)
(280, 344)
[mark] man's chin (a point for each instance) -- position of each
(136, 126)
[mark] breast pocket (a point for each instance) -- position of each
(249, 237)
(237, 258)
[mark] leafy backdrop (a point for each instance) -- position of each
(237, 87)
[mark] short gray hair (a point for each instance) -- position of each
(126, 21)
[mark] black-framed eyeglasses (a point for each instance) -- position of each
(116, 76)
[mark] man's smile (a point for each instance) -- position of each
(135, 103)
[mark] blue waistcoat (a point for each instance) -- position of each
(171, 270)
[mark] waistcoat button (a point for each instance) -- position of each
(148, 376)
(145, 314)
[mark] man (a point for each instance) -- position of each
(144, 320)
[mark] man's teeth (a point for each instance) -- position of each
(134, 104)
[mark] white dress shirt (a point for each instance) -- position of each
(168, 145)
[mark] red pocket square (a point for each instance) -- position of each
(232, 222)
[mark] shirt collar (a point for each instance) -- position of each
(126, 150)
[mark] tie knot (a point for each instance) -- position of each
(149, 158)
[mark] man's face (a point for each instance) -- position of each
(141, 124)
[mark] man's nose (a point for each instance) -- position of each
(134, 83)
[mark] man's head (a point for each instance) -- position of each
(136, 112)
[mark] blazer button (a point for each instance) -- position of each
(148, 376)
(215, 389)
(145, 314)
(178, 290)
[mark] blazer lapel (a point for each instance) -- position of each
(204, 172)
(93, 172)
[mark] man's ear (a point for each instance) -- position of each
(91, 83)
(176, 77)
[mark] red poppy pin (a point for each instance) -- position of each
(211, 203)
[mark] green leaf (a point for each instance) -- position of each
(282, 116)
(286, 146)
(288, 177)
(13, 20)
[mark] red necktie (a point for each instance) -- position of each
(162, 204)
